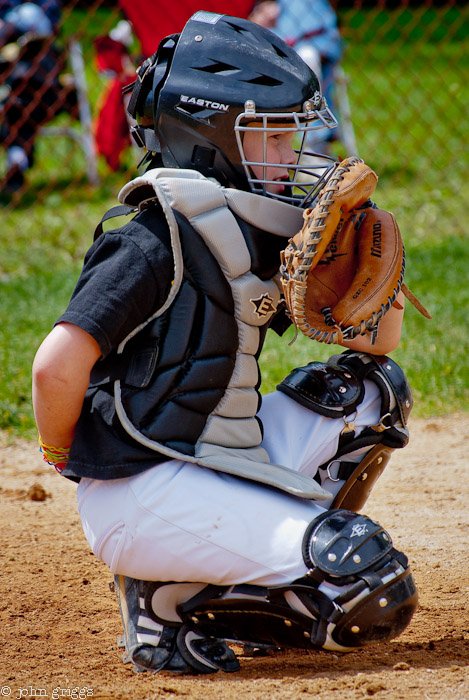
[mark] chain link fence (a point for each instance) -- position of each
(394, 77)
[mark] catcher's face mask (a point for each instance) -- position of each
(286, 172)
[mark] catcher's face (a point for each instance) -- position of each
(270, 155)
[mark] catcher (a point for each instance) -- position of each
(221, 518)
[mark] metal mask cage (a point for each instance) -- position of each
(305, 179)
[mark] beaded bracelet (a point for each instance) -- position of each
(57, 457)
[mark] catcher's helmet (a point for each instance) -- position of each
(221, 76)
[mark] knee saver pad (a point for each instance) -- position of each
(379, 595)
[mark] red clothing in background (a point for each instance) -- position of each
(152, 19)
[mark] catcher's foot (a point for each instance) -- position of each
(153, 647)
(206, 654)
(148, 645)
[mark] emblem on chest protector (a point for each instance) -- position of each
(263, 305)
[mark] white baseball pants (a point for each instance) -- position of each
(181, 522)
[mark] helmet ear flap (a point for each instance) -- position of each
(150, 77)
(137, 87)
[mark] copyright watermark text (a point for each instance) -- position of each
(29, 691)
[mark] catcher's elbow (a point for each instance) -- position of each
(383, 348)
(389, 333)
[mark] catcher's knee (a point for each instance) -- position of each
(358, 590)
(379, 597)
(335, 389)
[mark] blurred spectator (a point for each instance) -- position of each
(113, 60)
(30, 90)
(149, 27)
(310, 27)
(24, 16)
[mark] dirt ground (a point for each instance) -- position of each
(59, 620)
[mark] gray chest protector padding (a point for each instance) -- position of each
(230, 441)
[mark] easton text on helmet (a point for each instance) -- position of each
(205, 103)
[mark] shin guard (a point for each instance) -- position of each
(357, 590)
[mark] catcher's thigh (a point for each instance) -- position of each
(303, 440)
(181, 522)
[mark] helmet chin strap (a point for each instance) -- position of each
(146, 138)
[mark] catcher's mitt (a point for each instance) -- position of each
(343, 271)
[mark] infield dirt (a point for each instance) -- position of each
(59, 620)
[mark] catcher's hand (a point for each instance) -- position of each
(343, 271)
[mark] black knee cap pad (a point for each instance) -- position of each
(324, 388)
(353, 551)
(339, 544)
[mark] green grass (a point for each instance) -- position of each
(42, 259)
(408, 104)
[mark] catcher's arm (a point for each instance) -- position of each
(389, 332)
(61, 374)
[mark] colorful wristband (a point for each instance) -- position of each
(57, 457)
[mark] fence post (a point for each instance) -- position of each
(84, 110)
(345, 114)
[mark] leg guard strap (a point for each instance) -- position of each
(361, 478)
(335, 389)
(395, 392)
(304, 618)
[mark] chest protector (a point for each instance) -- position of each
(190, 386)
